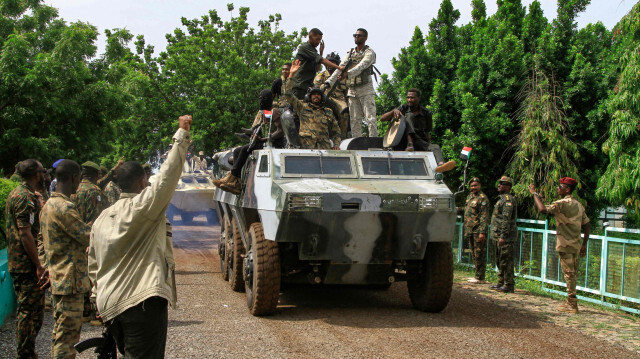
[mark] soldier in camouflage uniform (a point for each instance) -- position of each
(336, 97)
(89, 198)
(570, 218)
(504, 231)
(111, 193)
(66, 238)
(29, 276)
(317, 124)
(476, 220)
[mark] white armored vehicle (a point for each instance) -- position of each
(353, 216)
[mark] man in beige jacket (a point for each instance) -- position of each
(131, 257)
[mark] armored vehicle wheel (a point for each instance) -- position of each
(171, 212)
(234, 252)
(430, 283)
(222, 247)
(262, 273)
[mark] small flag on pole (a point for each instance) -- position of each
(466, 153)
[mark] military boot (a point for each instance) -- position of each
(233, 185)
(445, 167)
(218, 181)
(506, 289)
(496, 286)
(569, 306)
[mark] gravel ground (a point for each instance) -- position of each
(211, 321)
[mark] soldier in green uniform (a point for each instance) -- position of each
(570, 218)
(317, 124)
(476, 220)
(503, 233)
(336, 96)
(30, 277)
(276, 87)
(89, 198)
(66, 238)
(111, 193)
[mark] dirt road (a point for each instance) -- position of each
(212, 321)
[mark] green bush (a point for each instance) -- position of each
(6, 186)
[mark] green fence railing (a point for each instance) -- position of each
(610, 271)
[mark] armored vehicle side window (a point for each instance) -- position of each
(318, 165)
(394, 166)
(264, 164)
(187, 179)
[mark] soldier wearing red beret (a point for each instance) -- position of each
(570, 219)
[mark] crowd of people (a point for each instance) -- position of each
(101, 242)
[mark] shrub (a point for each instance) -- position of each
(6, 186)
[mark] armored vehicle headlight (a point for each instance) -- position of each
(435, 203)
(302, 202)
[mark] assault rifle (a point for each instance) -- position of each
(346, 68)
(105, 346)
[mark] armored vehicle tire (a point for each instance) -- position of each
(262, 276)
(430, 283)
(234, 252)
(171, 212)
(223, 246)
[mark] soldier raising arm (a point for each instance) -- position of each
(570, 217)
(317, 123)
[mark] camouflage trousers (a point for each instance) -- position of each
(504, 260)
(67, 317)
(315, 143)
(363, 108)
(337, 106)
(478, 253)
(29, 313)
(570, 262)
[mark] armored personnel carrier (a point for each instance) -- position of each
(354, 216)
(193, 197)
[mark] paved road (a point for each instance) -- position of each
(212, 321)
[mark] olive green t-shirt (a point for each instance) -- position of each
(310, 58)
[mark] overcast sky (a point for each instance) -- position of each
(390, 23)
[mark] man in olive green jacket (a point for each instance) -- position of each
(131, 257)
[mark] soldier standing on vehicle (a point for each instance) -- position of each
(131, 255)
(66, 238)
(570, 217)
(336, 98)
(318, 126)
(309, 60)
(30, 277)
(476, 220)
(361, 94)
(503, 233)
(276, 87)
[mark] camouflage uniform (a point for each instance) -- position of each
(337, 101)
(89, 201)
(66, 238)
(317, 123)
(503, 225)
(476, 219)
(111, 193)
(22, 210)
(570, 217)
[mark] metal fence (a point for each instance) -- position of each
(610, 271)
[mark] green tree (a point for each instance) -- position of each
(543, 150)
(53, 103)
(620, 184)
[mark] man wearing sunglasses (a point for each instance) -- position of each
(570, 219)
(361, 94)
